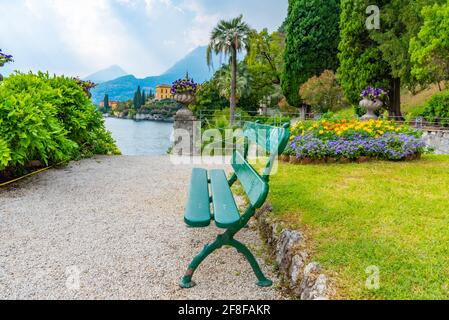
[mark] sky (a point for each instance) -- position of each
(144, 37)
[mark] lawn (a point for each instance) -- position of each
(394, 216)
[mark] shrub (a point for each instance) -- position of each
(49, 119)
(437, 108)
(323, 93)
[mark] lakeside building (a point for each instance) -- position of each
(163, 91)
(112, 104)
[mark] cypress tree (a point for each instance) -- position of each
(312, 37)
(144, 98)
(361, 63)
(138, 99)
(106, 103)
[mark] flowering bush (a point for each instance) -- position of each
(5, 58)
(353, 139)
(86, 85)
(184, 86)
(374, 94)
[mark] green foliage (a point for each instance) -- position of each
(378, 58)
(132, 113)
(220, 119)
(323, 93)
(312, 36)
(400, 21)
(266, 55)
(361, 63)
(430, 48)
(437, 108)
(264, 64)
(49, 119)
(208, 98)
(276, 121)
(223, 80)
(5, 154)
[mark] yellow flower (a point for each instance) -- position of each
(321, 131)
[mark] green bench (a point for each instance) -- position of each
(211, 198)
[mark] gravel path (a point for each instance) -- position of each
(117, 223)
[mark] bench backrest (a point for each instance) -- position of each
(273, 141)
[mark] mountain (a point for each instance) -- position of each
(123, 88)
(108, 74)
(195, 64)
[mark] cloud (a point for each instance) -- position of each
(143, 36)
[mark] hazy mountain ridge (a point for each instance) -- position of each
(108, 74)
(123, 88)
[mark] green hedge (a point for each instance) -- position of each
(49, 119)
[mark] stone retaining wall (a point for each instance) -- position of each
(302, 277)
(438, 140)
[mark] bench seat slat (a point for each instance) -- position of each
(198, 213)
(226, 213)
(255, 187)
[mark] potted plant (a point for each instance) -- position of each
(184, 90)
(4, 58)
(372, 100)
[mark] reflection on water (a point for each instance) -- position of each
(140, 138)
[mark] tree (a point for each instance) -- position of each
(144, 98)
(230, 38)
(207, 99)
(137, 99)
(106, 103)
(401, 21)
(323, 93)
(312, 37)
(264, 64)
(361, 63)
(224, 78)
(379, 57)
(429, 50)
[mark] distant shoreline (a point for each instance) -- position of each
(169, 120)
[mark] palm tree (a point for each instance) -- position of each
(230, 38)
(224, 80)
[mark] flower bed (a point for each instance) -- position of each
(352, 140)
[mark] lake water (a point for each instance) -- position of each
(140, 138)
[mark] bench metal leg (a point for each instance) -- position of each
(262, 280)
(186, 281)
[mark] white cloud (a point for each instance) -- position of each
(78, 37)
